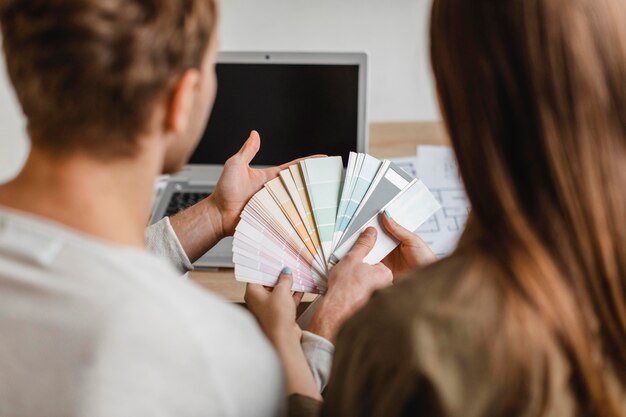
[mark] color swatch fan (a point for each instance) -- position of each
(309, 217)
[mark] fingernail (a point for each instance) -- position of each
(387, 215)
(370, 231)
(286, 270)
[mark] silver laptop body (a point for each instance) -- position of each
(275, 76)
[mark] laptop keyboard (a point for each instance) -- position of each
(182, 200)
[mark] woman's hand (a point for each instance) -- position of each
(239, 182)
(412, 252)
(350, 285)
(275, 309)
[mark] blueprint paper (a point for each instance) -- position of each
(438, 169)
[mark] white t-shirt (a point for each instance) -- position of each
(88, 328)
(162, 241)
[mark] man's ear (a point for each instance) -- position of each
(179, 108)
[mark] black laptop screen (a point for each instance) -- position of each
(298, 110)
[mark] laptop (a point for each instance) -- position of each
(300, 103)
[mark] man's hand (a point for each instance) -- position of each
(412, 252)
(201, 226)
(239, 183)
(350, 285)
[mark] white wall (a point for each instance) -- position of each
(394, 33)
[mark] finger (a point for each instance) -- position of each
(250, 148)
(254, 293)
(385, 274)
(397, 231)
(285, 281)
(365, 243)
(297, 298)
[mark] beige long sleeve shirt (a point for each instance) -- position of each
(444, 343)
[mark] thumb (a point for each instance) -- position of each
(285, 281)
(396, 231)
(250, 148)
(365, 243)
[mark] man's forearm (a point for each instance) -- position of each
(198, 228)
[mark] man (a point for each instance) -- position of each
(116, 92)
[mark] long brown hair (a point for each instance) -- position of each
(533, 93)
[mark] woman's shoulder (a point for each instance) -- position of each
(461, 287)
(457, 328)
(454, 301)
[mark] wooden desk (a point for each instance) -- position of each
(386, 140)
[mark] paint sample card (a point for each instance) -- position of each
(298, 179)
(309, 217)
(282, 198)
(367, 171)
(346, 194)
(256, 243)
(324, 180)
(410, 209)
(391, 181)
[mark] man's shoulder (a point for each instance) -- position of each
(138, 329)
(105, 283)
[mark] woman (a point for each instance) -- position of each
(528, 316)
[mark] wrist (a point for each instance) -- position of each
(285, 344)
(327, 320)
(214, 216)
(285, 338)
